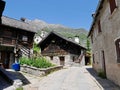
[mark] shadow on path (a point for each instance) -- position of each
(8, 76)
(103, 83)
(3, 83)
(20, 76)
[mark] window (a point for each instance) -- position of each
(51, 57)
(25, 38)
(7, 33)
(117, 43)
(93, 58)
(73, 58)
(95, 32)
(92, 38)
(99, 26)
(112, 5)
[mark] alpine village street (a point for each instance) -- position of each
(48, 60)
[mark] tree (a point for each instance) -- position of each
(88, 45)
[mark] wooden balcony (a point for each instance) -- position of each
(8, 41)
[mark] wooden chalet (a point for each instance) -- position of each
(16, 39)
(60, 50)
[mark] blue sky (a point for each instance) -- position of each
(70, 13)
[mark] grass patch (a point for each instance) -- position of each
(102, 74)
(20, 88)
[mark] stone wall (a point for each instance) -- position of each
(68, 59)
(38, 71)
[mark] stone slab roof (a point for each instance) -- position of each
(17, 24)
(53, 33)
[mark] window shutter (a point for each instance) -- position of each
(99, 27)
(93, 58)
(92, 38)
(112, 5)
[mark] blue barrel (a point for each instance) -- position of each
(16, 66)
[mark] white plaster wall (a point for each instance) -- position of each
(37, 39)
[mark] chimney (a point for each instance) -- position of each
(2, 6)
(76, 39)
(93, 15)
(23, 19)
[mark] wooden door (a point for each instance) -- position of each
(62, 61)
(103, 62)
(5, 58)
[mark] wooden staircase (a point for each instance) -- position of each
(25, 51)
(78, 61)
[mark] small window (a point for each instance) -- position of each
(93, 58)
(99, 26)
(117, 43)
(92, 38)
(73, 58)
(7, 33)
(112, 5)
(25, 38)
(51, 57)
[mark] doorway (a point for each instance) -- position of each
(103, 62)
(5, 59)
(87, 60)
(62, 60)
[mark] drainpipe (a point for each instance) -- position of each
(2, 6)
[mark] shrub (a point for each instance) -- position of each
(102, 74)
(39, 62)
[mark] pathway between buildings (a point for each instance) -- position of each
(72, 78)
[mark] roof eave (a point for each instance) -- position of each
(10, 22)
(52, 32)
(99, 7)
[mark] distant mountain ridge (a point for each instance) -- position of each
(63, 30)
(56, 27)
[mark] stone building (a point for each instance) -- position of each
(105, 39)
(61, 50)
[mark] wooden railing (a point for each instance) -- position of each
(8, 41)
